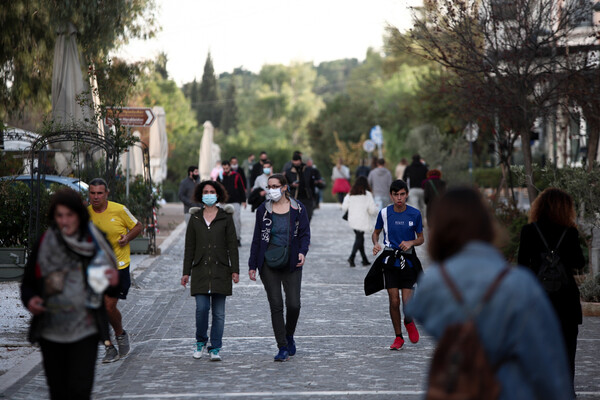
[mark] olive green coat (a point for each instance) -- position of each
(211, 252)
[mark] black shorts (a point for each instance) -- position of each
(401, 278)
(124, 283)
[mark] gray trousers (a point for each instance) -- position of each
(237, 219)
(416, 198)
(273, 280)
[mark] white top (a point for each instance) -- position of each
(361, 211)
(342, 172)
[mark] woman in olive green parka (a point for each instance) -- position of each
(211, 259)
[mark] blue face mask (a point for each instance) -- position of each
(209, 199)
(266, 171)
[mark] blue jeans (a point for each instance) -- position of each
(218, 319)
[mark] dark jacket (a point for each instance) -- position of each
(186, 193)
(566, 301)
(306, 178)
(433, 188)
(33, 285)
(211, 252)
(299, 234)
(415, 174)
(374, 280)
(235, 187)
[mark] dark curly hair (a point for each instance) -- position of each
(73, 201)
(221, 192)
(554, 205)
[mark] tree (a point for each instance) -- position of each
(506, 55)
(229, 118)
(28, 35)
(209, 106)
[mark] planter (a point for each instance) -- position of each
(590, 309)
(140, 245)
(12, 263)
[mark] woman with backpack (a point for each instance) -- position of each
(516, 325)
(552, 227)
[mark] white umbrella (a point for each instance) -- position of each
(159, 146)
(206, 161)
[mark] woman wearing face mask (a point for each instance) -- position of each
(211, 258)
(259, 190)
(279, 246)
(63, 287)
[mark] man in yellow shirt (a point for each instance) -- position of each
(120, 227)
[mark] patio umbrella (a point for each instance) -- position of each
(159, 146)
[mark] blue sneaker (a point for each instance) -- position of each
(283, 354)
(291, 345)
(200, 348)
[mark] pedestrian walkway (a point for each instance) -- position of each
(343, 337)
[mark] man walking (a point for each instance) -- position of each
(301, 180)
(236, 193)
(257, 168)
(414, 175)
(380, 180)
(186, 190)
(120, 227)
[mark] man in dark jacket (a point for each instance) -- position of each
(236, 192)
(301, 180)
(257, 169)
(186, 190)
(414, 175)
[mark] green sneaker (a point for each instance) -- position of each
(200, 347)
(214, 355)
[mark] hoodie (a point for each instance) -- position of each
(380, 180)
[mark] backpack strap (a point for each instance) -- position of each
(544, 239)
(487, 295)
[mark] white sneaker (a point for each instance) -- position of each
(214, 355)
(200, 347)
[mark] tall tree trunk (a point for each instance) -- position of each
(528, 161)
(593, 140)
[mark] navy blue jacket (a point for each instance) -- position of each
(299, 234)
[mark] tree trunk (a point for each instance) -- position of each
(527, 159)
(594, 138)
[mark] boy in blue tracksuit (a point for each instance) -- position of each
(402, 228)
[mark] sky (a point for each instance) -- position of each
(251, 33)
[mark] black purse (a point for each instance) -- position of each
(278, 257)
(345, 216)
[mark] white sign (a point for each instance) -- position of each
(369, 146)
(377, 135)
(471, 131)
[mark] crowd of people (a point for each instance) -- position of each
(80, 267)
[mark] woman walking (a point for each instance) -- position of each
(279, 246)
(361, 210)
(340, 176)
(552, 227)
(211, 259)
(516, 325)
(63, 287)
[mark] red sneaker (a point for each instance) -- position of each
(398, 343)
(413, 333)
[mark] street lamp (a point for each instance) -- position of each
(471, 132)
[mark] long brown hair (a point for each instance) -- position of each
(360, 186)
(554, 205)
(460, 216)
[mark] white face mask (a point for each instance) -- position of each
(275, 194)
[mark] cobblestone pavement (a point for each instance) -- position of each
(342, 336)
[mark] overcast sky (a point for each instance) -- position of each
(245, 33)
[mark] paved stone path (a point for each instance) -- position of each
(342, 336)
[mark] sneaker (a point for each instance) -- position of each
(413, 333)
(283, 354)
(291, 345)
(398, 343)
(214, 355)
(111, 354)
(365, 263)
(123, 343)
(351, 262)
(200, 347)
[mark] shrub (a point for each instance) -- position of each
(590, 289)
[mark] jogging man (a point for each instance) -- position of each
(120, 227)
(402, 228)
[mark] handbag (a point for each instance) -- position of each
(345, 216)
(278, 257)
